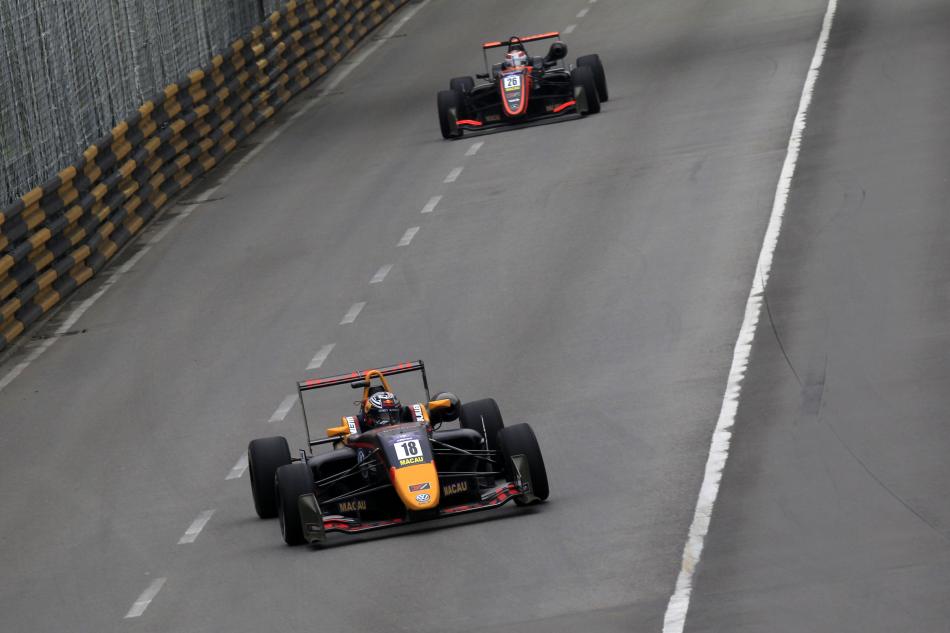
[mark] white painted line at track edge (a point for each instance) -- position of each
(453, 175)
(674, 619)
(474, 148)
(237, 471)
(284, 407)
(318, 359)
(407, 236)
(140, 605)
(431, 204)
(353, 312)
(71, 320)
(195, 528)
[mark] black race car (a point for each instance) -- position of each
(408, 469)
(522, 88)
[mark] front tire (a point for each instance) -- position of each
(264, 457)
(519, 440)
(293, 480)
(450, 104)
(484, 416)
(584, 86)
(600, 78)
(462, 84)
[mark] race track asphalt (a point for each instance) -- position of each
(589, 274)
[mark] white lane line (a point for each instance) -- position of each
(568, 29)
(431, 204)
(333, 83)
(70, 321)
(140, 605)
(195, 528)
(237, 471)
(453, 175)
(407, 236)
(381, 274)
(582, 13)
(474, 148)
(284, 407)
(352, 313)
(675, 618)
(315, 362)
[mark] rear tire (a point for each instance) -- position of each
(293, 480)
(484, 416)
(450, 104)
(462, 84)
(519, 439)
(583, 77)
(600, 78)
(264, 457)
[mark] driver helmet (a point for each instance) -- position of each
(515, 58)
(383, 408)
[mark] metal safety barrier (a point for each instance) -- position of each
(60, 234)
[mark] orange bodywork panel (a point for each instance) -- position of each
(417, 485)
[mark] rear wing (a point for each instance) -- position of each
(345, 379)
(526, 38)
(351, 377)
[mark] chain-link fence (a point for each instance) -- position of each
(71, 69)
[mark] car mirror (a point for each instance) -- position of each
(337, 431)
(557, 51)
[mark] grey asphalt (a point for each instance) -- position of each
(833, 513)
(590, 275)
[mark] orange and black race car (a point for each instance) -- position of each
(394, 464)
(522, 88)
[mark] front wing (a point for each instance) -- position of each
(316, 526)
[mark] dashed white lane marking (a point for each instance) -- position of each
(453, 175)
(284, 407)
(70, 321)
(333, 83)
(431, 204)
(140, 605)
(195, 528)
(315, 363)
(592, 1)
(237, 471)
(381, 274)
(582, 13)
(474, 148)
(568, 29)
(675, 618)
(352, 313)
(407, 236)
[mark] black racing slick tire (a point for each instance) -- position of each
(293, 480)
(519, 439)
(600, 79)
(483, 416)
(264, 457)
(462, 84)
(450, 104)
(583, 77)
